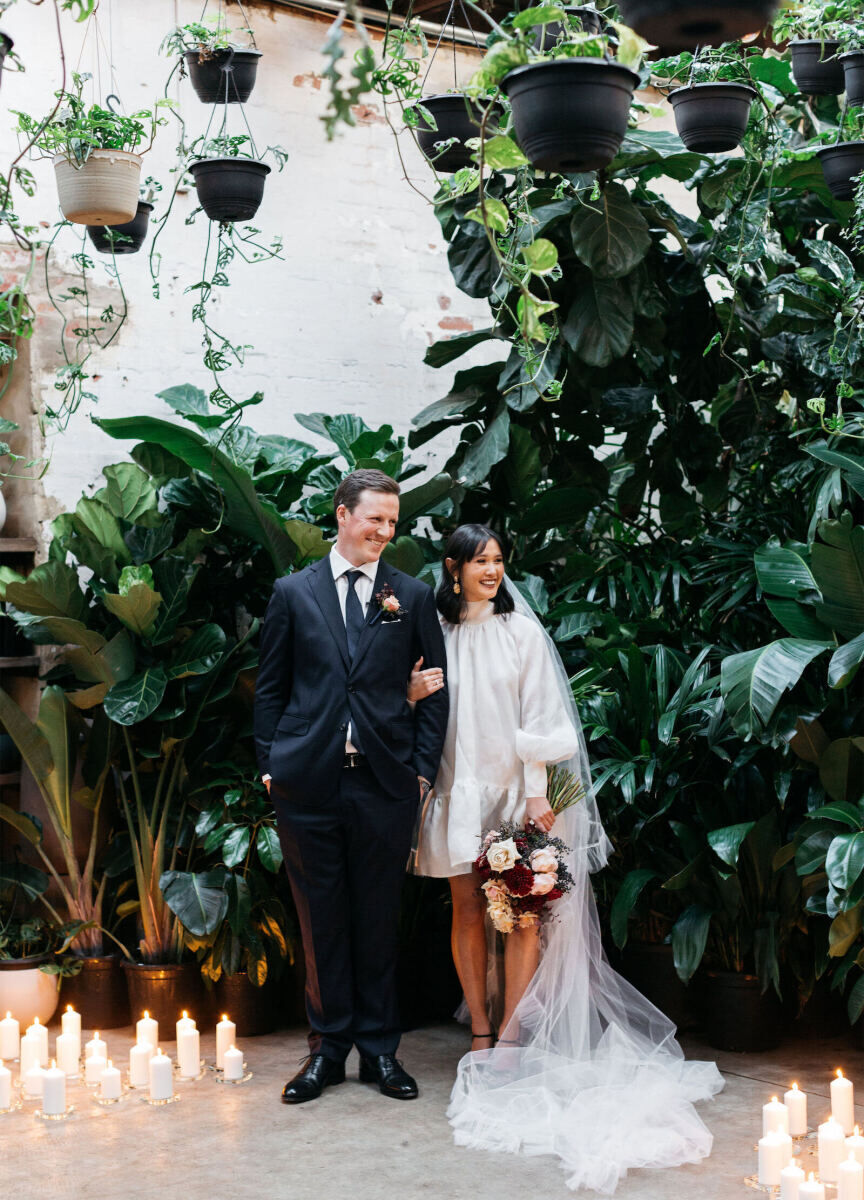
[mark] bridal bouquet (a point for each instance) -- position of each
(524, 870)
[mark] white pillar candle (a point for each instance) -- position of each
(796, 1106)
(832, 1149)
(189, 1053)
(791, 1178)
(5, 1088)
(70, 1024)
(67, 1047)
(843, 1102)
(139, 1064)
(110, 1085)
(29, 1053)
(93, 1068)
(96, 1046)
(226, 1035)
(147, 1031)
(772, 1158)
(53, 1090)
(775, 1116)
(10, 1037)
(161, 1077)
(33, 1081)
(811, 1190)
(233, 1063)
(185, 1023)
(855, 1145)
(39, 1031)
(850, 1180)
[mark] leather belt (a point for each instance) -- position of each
(354, 760)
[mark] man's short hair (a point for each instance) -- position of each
(366, 480)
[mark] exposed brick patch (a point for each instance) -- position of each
(457, 324)
(309, 77)
(377, 296)
(444, 302)
(367, 114)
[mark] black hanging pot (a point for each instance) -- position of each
(226, 76)
(683, 24)
(840, 165)
(456, 117)
(230, 189)
(712, 117)
(6, 45)
(570, 114)
(853, 77)
(122, 239)
(592, 22)
(816, 68)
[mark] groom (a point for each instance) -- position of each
(346, 763)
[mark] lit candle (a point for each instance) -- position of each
(53, 1090)
(10, 1037)
(110, 1085)
(855, 1145)
(811, 1190)
(226, 1034)
(850, 1180)
(161, 1077)
(832, 1149)
(68, 1051)
(843, 1102)
(30, 1053)
(233, 1063)
(791, 1178)
(775, 1116)
(39, 1031)
(96, 1046)
(796, 1106)
(5, 1088)
(189, 1053)
(772, 1157)
(70, 1024)
(93, 1068)
(185, 1023)
(147, 1031)
(139, 1064)
(33, 1081)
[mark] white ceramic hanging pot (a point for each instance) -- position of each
(2, 510)
(103, 191)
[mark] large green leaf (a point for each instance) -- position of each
(96, 519)
(310, 541)
(52, 589)
(269, 848)
(753, 682)
(174, 578)
(130, 492)
(785, 570)
(625, 899)
(245, 512)
(137, 609)
(198, 900)
(851, 465)
(841, 769)
(845, 662)
(843, 931)
(689, 937)
(441, 353)
(838, 566)
(609, 234)
(599, 325)
(32, 882)
(199, 653)
(406, 555)
(726, 842)
(111, 664)
(27, 826)
(844, 861)
(481, 456)
(135, 699)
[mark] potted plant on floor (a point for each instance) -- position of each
(843, 159)
(713, 100)
(222, 70)
(684, 24)
(813, 29)
(26, 944)
(95, 154)
(229, 175)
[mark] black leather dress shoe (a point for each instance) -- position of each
(310, 1081)
(392, 1080)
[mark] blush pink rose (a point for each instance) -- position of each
(390, 604)
(544, 882)
(543, 860)
(495, 893)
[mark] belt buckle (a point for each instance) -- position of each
(352, 759)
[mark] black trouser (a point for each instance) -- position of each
(346, 861)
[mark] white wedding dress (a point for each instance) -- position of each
(593, 1073)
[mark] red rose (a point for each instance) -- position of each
(519, 880)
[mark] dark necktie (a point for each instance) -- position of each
(353, 612)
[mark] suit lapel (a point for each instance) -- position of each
(323, 587)
(373, 614)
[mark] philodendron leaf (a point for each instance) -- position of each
(501, 153)
(541, 256)
(51, 590)
(269, 848)
(309, 540)
(199, 654)
(726, 843)
(137, 609)
(844, 862)
(129, 576)
(541, 14)
(27, 826)
(405, 554)
(129, 492)
(689, 938)
(198, 900)
(30, 880)
(135, 699)
(496, 215)
(610, 235)
(95, 519)
(529, 310)
(624, 902)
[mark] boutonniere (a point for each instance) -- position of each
(389, 605)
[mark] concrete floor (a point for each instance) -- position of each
(354, 1143)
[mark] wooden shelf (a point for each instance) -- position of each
(21, 545)
(29, 662)
(9, 778)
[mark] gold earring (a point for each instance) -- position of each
(457, 587)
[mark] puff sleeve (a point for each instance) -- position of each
(546, 733)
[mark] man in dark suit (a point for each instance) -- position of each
(346, 763)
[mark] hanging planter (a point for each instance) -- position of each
(816, 68)
(6, 45)
(712, 117)
(682, 24)
(550, 34)
(225, 76)
(103, 190)
(455, 117)
(853, 77)
(570, 114)
(127, 238)
(230, 189)
(840, 165)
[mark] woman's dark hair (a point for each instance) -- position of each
(466, 543)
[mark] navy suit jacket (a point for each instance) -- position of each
(308, 688)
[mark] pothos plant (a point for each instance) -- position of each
(816, 20)
(204, 38)
(721, 64)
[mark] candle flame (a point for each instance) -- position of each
(8, 1015)
(35, 1020)
(146, 1013)
(53, 1064)
(794, 1087)
(224, 1016)
(773, 1099)
(69, 1008)
(185, 1015)
(839, 1073)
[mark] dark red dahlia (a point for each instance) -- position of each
(484, 872)
(519, 880)
(555, 894)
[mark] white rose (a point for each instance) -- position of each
(544, 882)
(543, 860)
(502, 855)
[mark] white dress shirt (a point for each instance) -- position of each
(363, 587)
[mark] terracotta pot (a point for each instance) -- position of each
(26, 991)
(98, 992)
(103, 191)
(165, 990)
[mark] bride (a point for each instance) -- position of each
(584, 1067)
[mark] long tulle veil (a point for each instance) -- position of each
(587, 1069)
